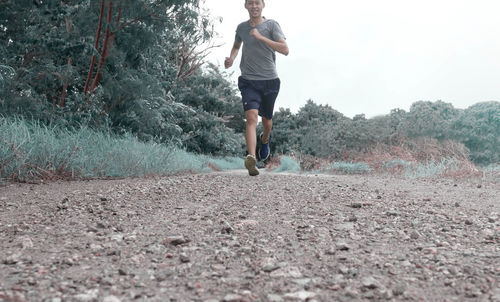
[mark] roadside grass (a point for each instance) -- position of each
(30, 152)
(349, 168)
(287, 164)
(491, 172)
(445, 167)
(422, 158)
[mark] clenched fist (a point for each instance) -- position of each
(228, 62)
(256, 34)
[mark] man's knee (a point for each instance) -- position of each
(267, 123)
(252, 117)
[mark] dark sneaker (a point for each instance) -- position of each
(251, 165)
(264, 150)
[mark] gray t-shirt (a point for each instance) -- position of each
(258, 60)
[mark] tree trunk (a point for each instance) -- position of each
(105, 48)
(65, 88)
(96, 46)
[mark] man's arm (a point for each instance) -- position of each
(279, 46)
(234, 53)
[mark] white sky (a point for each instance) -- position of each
(366, 56)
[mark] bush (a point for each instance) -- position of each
(31, 151)
(287, 164)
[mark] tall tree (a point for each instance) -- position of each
(122, 63)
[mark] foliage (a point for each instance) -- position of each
(321, 131)
(345, 168)
(287, 164)
(132, 65)
(300, 132)
(420, 158)
(351, 168)
(429, 119)
(30, 151)
(138, 67)
(491, 172)
(478, 127)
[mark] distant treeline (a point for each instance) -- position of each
(138, 67)
(324, 132)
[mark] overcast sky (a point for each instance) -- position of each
(365, 56)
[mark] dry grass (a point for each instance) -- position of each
(414, 158)
(449, 158)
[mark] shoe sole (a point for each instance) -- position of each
(250, 164)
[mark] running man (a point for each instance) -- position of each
(259, 83)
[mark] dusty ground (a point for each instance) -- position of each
(229, 237)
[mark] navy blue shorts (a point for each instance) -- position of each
(260, 95)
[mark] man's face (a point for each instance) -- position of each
(254, 7)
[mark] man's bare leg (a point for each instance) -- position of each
(251, 130)
(268, 126)
(252, 116)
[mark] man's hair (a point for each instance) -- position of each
(247, 1)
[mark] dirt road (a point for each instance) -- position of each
(229, 237)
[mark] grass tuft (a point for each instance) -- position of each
(30, 151)
(491, 172)
(287, 164)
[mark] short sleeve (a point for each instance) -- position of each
(277, 33)
(237, 37)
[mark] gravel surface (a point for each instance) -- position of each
(231, 237)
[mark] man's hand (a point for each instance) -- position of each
(256, 34)
(228, 62)
(279, 46)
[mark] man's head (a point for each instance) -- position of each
(249, 0)
(254, 7)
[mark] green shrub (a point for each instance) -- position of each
(30, 151)
(287, 164)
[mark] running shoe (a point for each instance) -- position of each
(251, 165)
(264, 150)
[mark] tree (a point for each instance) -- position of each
(122, 64)
(285, 136)
(478, 127)
(322, 131)
(430, 119)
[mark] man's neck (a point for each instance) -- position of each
(256, 21)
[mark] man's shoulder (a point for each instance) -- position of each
(244, 24)
(271, 21)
